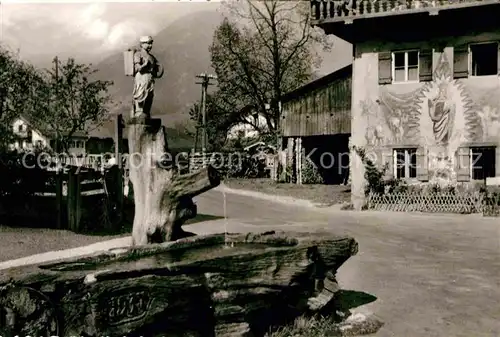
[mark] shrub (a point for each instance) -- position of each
(285, 173)
(347, 206)
(250, 166)
(311, 174)
(23, 174)
(374, 176)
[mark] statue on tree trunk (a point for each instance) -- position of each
(146, 69)
(162, 196)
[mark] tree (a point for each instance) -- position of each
(219, 119)
(273, 53)
(73, 101)
(20, 87)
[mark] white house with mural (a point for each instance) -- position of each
(425, 89)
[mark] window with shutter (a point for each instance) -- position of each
(405, 163)
(384, 68)
(463, 164)
(425, 66)
(460, 61)
(482, 162)
(422, 164)
(484, 59)
(405, 66)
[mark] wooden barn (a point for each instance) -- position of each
(315, 129)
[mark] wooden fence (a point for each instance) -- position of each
(223, 161)
(73, 199)
(228, 163)
(88, 161)
(438, 202)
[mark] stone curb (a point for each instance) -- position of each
(275, 198)
(72, 252)
(204, 227)
(337, 207)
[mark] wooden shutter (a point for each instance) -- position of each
(497, 161)
(422, 164)
(385, 68)
(388, 159)
(498, 57)
(425, 65)
(463, 164)
(461, 61)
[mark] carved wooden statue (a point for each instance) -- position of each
(146, 70)
(162, 196)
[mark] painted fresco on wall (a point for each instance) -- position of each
(490, 121)
(439, 115)
(487, 102)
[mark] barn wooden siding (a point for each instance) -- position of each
(322, 107)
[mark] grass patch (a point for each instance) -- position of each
(21, 242)
(325, 326)
(309, 327)
(326, 195)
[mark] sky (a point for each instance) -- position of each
(89, 30)
(92, 31)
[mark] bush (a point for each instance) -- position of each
(23, 174)
(374, 176)
(250, 166)
(284, 173)
(311, 174)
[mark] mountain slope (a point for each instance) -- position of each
(182, 48)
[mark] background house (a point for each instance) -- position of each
(249, 129)
(316, 126)
(27, 136)
(424, 100)
(82, 144)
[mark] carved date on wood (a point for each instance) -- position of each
(125, 305)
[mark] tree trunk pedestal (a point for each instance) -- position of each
(162, 196)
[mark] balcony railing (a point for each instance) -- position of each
(348, 10)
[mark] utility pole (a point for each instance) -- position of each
(3, 95)
(56, 63)
(205, 82)
(56, 69)
(119, 171)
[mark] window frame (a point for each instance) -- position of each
(393, 66)
(407, 163)
(471, 160)
(470, 57)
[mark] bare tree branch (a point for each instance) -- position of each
(267, 50)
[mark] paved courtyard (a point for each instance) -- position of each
(433, 275)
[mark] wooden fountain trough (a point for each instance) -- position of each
(213, 285)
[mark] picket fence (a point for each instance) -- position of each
(437, 202)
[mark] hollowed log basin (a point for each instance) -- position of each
(213, 285)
